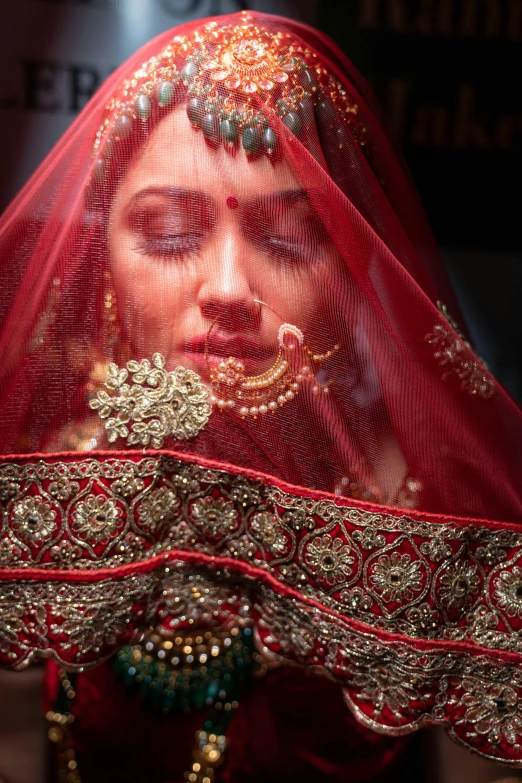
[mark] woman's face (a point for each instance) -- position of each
(197, 235)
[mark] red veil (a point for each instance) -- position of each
(363, 520)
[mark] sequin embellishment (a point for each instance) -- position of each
(157, 405)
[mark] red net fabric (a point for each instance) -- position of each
(229, 194)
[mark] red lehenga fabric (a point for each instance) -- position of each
(232, 178)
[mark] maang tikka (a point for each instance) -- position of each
(145, 403)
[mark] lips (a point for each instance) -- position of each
(253, 354)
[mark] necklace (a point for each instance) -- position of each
(174, 674)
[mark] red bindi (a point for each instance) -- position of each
(232, 202)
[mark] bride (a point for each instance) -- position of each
(244, 444)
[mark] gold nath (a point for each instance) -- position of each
(255, 395)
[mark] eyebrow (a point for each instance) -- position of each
(171, 193)
(280, 197)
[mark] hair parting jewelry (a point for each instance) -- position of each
(227, 76)
(255, 395)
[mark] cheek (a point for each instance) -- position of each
(152, 297)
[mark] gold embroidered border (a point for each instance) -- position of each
(393, 687)
(431, 580)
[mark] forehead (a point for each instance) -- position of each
(177, 155)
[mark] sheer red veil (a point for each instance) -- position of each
(375, 498)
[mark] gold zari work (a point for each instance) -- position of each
(425, 579)
(158, 404)
(226, 67)
(456, 356)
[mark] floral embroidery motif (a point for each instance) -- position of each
(508, 591)
(62, 488)
(459, 584)
(8, 490)
(266, 528)
(330, 559)
(34, 520)
(217, 517)
(436, 548)
(128, 486)
(369, 538)
(65, 553)
(157, 405)
(455, 354)
(158, 508)
(299, 520)
(391, 687)
(9, 552)
(386, 688)
(157, 504)
(493, 711)
(97, 519)
(396, 577)
(247, 62)
(357, 599)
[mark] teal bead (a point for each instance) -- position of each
(325, 111)
(306, 112)
(308, 79)
(269, 141)
(143, 107)
(228, 131)
(122, 126)
(210, 127)
(165, 94)
(189, 71)
(195, 111)
(251, 140)
(293, 122)
(99, 170)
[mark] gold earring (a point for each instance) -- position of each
(254, 395)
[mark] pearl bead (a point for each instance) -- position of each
(231, 404)
(326, 390)
(221, 377)
(272, 406)
(254, 410)
(243, 412)
(240, 367)
(221, 404)
(231, 361)
(213, 399)
(281, 399)
(263, 408)
(222, 366)
(305, 370)
(315, 389)
(295, 386)
(299, 378)
(289, 395)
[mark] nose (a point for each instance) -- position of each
(227, 293)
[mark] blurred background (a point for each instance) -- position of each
(445, 71)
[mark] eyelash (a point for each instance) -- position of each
(169, 245)
(290, 252)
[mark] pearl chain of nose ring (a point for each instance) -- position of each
(256, 395)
